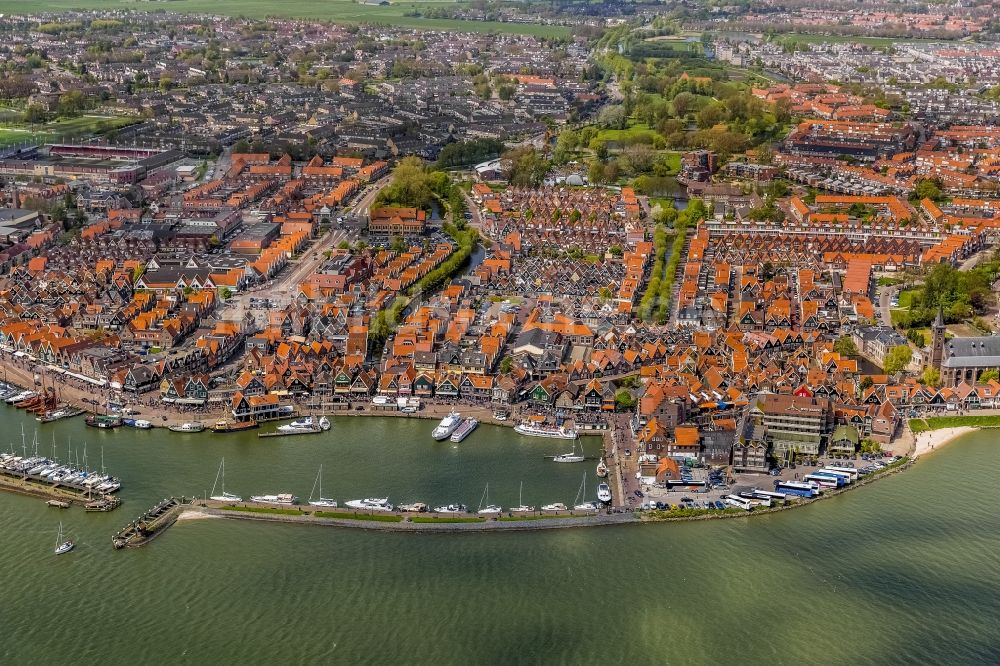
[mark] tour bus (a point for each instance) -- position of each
(825, 481)
(756, 501)
(797, 488)
(845, 479)
(849, 471)
(769, 495)
(738, 502)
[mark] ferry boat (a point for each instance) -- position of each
(604, 492)
(541, 430)
(602, 469)
(464, 430)
(190, 426)
(558, 506)
(370, 504)
(233, 426)
(451, 508)
(103, 422)
(447, 426)
(282, 498)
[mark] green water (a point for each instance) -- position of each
(903, 571)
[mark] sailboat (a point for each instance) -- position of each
(520, 506)
(490, 509)
(224, 497)
(580, 494)
(572, 457)
(320, 500)
(63, 546)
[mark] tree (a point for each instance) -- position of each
(343, 245)
(869, 445)
(225, 293)
(398, 244)
(897, 359)
(71, 103)
(624, 400)
(613, 116)
(35, 114)
(931, 376)
(527, 167)
(506, 364)
(845, 347)
(989, 375)
(866, 383)
(927, 188)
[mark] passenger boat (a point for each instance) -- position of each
(451, 508)
(224, 497)
(602, 469)
(416, 507)
(604, 492)
(63, 546)
(370, 504)
(190, 426)
(447, 426)
(558, 506)
(103, 422)
(320, 501)
(465, 429)
(281, 498)
(233, 426)
(541, 430)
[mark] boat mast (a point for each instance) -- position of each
(485, 497)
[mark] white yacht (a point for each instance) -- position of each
(416, 507)
(488, 509)
(587, 506)
(320, 501)
(521, 507)
(571, 457)
(447, 426)
(224, 497)
(308, 424)
(604, 492)
(451, 508)
(190, 426)
(370, 504)
(282, 498)
(602, 469)
(558, 506)
(142, 424)
(63, 546)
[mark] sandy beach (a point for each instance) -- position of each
(935, 439)
(195, 515)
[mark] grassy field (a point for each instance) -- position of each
(60, 130)
(938, 422)
(803, 38)
(337, 11)
(447, 519)
(343, 515)
(264, 509)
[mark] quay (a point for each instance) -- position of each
(149, 525)
(290, 433)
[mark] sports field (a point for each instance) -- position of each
(338, 11)
(59, 130)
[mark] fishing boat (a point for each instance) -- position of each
(320, 501)
(416, 507)
(451, 508)
(224, 497)
(190, 426)
(63, 546)
(489, 509)
(370, 504)
(102, 421)
(281, 498)
(465, 429)
(447, 426)
(541, 430)
(233, 426)
(604, 492)
(520, 505)
(558, 506)
(572, 457)
(602, 469)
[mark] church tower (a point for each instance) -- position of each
(937, 340)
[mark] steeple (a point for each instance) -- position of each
(937, 340)
(939, 319)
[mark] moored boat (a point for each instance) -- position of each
(465, 429)
(281, 498)
(308, 424)
(602, 469)
(233, 426)
(320, 501)
(541, 430)
(416, 507)
(370, 504)
(102, 421)
(557, 506)
(447, 426)
(224, 497)
(604, 492)
(190, 426)
(451, 508)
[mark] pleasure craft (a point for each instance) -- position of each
(447, 426)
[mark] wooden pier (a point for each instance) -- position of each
(149, 525)
(291, 433)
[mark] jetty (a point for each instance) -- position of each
(149, 525)
(290, 433)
